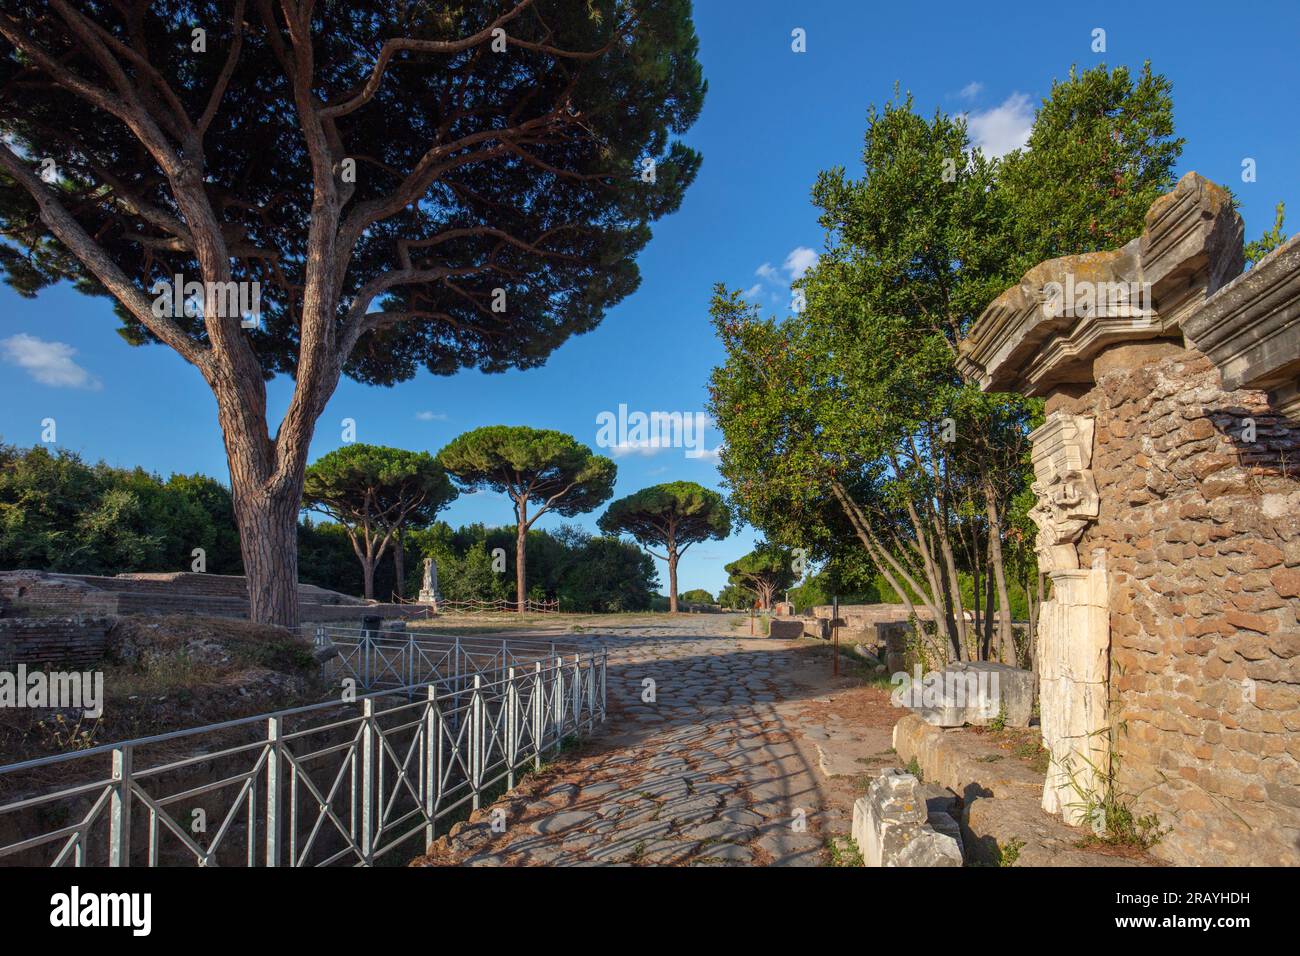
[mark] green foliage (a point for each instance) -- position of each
(764, 572)
(549, 469)
(673, 516)
(1270, 240)
(531, 465)
(1107, 808)
(734, 597)
(1009, 852)
(550, 209)
(1101, 151)
(678, 513)
(585, 572)
(326, 559)
(697, 596)
(849, 431)
(59, 514)
(844, 851)
(379, 486)
(850, 585)
(604, 574)
(375, 493)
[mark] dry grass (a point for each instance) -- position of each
(169, 673)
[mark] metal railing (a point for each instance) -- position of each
(378, 659)
(500, 605)
(323, 784)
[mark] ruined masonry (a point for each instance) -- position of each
(1168, 482)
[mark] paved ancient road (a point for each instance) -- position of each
(718, 766)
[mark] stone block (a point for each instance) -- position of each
(785, 628)
(817, 627)
(976, 693)
(890, 825)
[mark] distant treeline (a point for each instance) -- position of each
(58, 513)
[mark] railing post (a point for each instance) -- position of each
(410, 665)
(369, 646)
(539, 727)
(557, 702)
(455, 685)
(476, 739)
(119, 833)
(577, 694)
(274, 789)
(512, 732)
(591, 690)
(432, 772)
(604, 661)
(367, 779)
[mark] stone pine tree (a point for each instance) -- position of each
(763, 572)
(672, 516)
(373, 491)
(547, 469)
(409, 185)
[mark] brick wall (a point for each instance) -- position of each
(1202, 538)
(58, 641)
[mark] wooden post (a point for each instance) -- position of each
(835, 634)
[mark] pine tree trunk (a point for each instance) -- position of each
(368, 577)
(399, 564)
(521, 585)
(268, 541)
(672, 582)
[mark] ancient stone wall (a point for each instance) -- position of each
(1199, 522)
(36, 642)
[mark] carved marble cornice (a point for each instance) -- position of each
(1251, 328)
(1191, 246)
(1025, 342)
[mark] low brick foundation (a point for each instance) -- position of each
(75, 642)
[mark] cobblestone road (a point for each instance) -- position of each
(712, 768)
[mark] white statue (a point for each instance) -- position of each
(429, 586)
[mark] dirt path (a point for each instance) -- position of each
(719, 749)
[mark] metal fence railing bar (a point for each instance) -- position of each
(393, 658)
(329, 783)
(500, 605)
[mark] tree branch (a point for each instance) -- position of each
(72, 235)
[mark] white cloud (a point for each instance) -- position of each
(711, 455)
(971, 90)
(799, 261)
(431, 416)
(1003, 128)
(50, 363)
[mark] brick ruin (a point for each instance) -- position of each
(1168, 478)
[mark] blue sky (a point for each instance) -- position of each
(772, 119)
